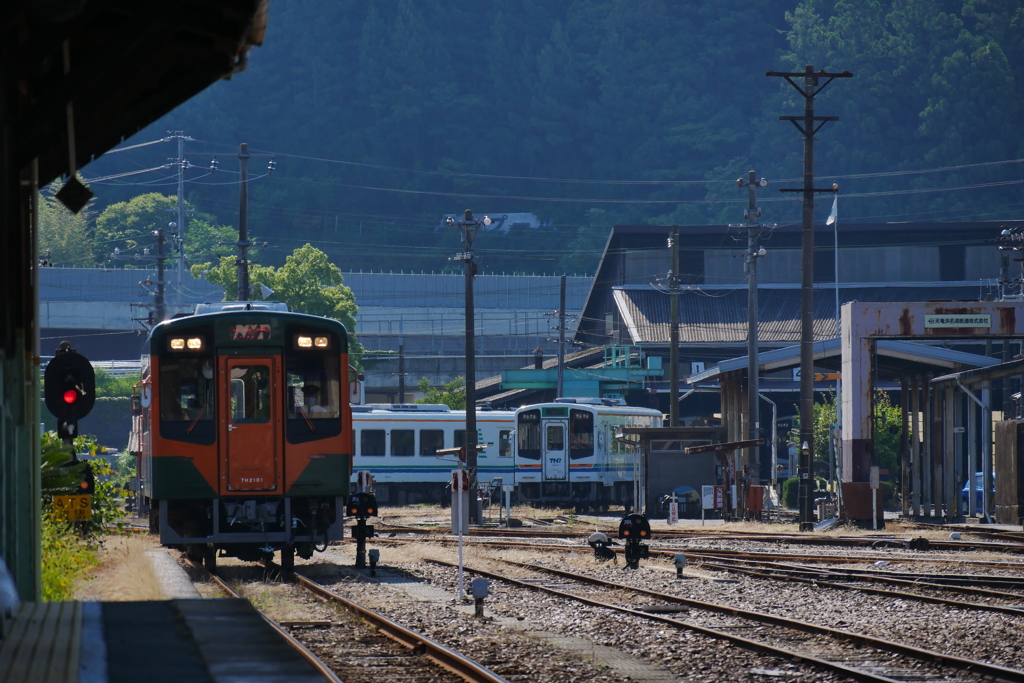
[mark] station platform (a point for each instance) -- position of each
(162, 641)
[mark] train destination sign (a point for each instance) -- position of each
(950, 320)
(254, 331)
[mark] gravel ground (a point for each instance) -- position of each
(510, 650)
(515, 639)
(970, 634)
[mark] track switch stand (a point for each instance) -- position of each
(599, 541)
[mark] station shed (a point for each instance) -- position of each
(996, 453)
(666, 465)
(898, 365)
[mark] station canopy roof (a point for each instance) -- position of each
(894, 359)
(710, 315)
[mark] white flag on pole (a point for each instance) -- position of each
(835, 211)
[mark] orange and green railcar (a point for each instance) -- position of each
(246, 432)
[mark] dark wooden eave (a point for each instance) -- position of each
(130, 61)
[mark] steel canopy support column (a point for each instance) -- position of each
(858, 384)
(916, 444)
(905, 461)
(948, 490)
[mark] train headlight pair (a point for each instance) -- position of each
(181, 343)
(305, 342)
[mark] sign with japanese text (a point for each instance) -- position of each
(947, 320)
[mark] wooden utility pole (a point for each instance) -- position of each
(808, 125)
(243, 222)
(468, 228)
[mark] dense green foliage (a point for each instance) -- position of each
(307, 282)
(69, 550)
(387, 114)
(888, 422)
(452, 394)
(109, 386)
(65, 238)
(66, 556)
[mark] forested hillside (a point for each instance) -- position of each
(386, 114)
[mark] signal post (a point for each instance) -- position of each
(69, 392)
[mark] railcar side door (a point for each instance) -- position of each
(251, 459)
(555, 451)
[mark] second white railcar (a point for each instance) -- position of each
(567, 454)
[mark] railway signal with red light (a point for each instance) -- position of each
(69, 385)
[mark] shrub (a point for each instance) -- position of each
(66, 557)
(791, 491)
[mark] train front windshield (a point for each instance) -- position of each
(187, 387)
(313, 385)
(528, 434)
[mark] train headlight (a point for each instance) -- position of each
(304, 342)
(195, 343)
(320, 342)
(177, 344)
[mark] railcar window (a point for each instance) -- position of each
(186, 390)
(460, 438)
(504, 443)
(431, 441)
(371, 442)
(250, 393)
(581, 434)
(403, 441)
(528, 435)
(556, 438)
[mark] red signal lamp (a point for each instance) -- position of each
(70, 396)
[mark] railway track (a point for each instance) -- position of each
(1006, 542)
(837, 579)
(305, 652)
(370, 648)
(846, 653)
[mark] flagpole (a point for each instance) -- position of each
(834, 218)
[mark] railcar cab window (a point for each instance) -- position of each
(581, 434)
(186, 387)
(313, 384)
(528, 434)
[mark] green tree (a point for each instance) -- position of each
(888, 422)
(203, 241)
(64, 237)
(452, 394)
(307, 282)
(129, 226)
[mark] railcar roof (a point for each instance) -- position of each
(248, 315)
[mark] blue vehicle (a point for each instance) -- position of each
(978, 488)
